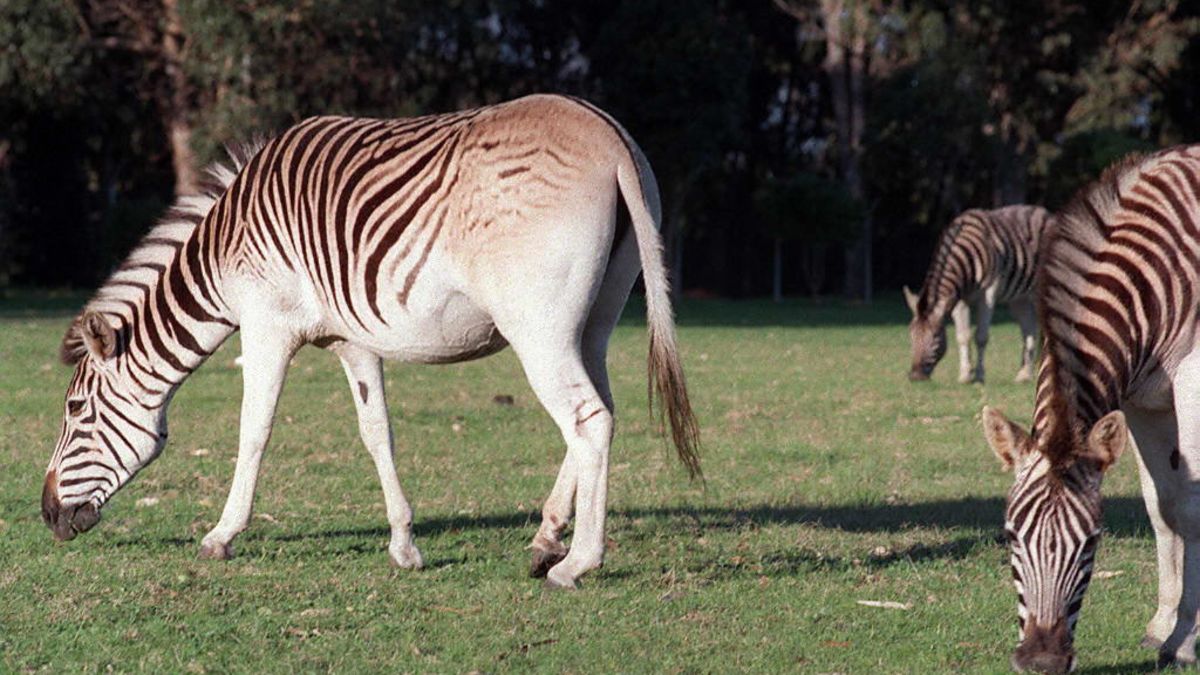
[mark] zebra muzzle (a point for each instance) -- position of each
(918, 375)
(66, 521)
(1045, 650)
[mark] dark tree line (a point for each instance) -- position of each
(802, 146)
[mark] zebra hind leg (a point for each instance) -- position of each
(983, 324)
(622, 271)
(564, 388)
(548, 548)
(1023, 311)
(364, 370)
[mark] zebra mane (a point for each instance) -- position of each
(1073, 239)
(160, 245)
(1081, 226)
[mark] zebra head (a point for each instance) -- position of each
(112, 426)
(1053, 522)
(927, 331)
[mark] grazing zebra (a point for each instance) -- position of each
(982, 258)
(435, 240)
(1118, 300)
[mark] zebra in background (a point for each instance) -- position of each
(435, 239)
(982, 258)
(1118, 305)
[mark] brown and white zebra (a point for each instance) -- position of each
(434, 240)
(982, 258)
(1120, 284)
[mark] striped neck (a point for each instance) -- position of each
(165, 303)
(950, 276)
(1072, 395)
(170, 316)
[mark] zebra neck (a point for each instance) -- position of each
(172, 314)
(947, 284)
(939, 298)
(1072, 395)
(954, 274)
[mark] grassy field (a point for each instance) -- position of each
(831, 479)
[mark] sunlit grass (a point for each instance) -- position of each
(831, 479)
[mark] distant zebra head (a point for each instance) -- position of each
(112, 426)
(927, 331)
(1052, 522)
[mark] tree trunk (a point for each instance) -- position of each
(1009, 184)
(777, 272)
(174, 105)
(814, 267)
(845, 66)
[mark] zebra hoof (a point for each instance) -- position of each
(1150, 642)
(544, 559)
(1022, 377)
(211, 550)
(553, 584)
(407, 559)
(1168, 660)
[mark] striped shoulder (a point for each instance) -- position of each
(161, 243)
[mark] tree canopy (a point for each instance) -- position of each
(827, 133)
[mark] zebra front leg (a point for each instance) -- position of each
(962, 335)
(1154, 434)
(1180, 645)
(1169, 551)
(365, 372)
(1184, 505)
(1023, 311)
(264, 365)
(983, 324)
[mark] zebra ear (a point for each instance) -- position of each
(72, 348)
(1008, 441)
(98, 335)
(1107, 439)
(911, 299)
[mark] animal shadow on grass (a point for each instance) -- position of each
(977, 520)
(1124, 517)
(1147, 666)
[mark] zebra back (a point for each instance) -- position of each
(980, 248)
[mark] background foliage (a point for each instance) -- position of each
(919, 109)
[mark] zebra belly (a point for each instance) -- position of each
(452, 330)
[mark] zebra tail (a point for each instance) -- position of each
(666, 379)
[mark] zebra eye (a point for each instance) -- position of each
(75, 406)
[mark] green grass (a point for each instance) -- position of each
(831, 479)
